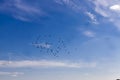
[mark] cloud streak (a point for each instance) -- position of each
(13, 74)
(76, 6)
(70, 3)
(44, 64)
(21, 10)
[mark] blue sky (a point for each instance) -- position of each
(90, 30)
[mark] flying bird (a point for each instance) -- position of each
(45, 44)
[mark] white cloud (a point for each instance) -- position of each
(89, 33)
(110, 10)
(92, 17)
(44, 63)
(21, 10)
(115, 7)
(14, 74)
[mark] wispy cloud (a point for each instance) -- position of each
(44, 63)
(70, 3)
(76, 6)
(13, 74)
(21, 10)
(89, 33)
(110, 10)
(92, 17)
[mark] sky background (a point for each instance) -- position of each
(90, 30)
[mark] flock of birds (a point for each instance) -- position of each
(51, 45)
